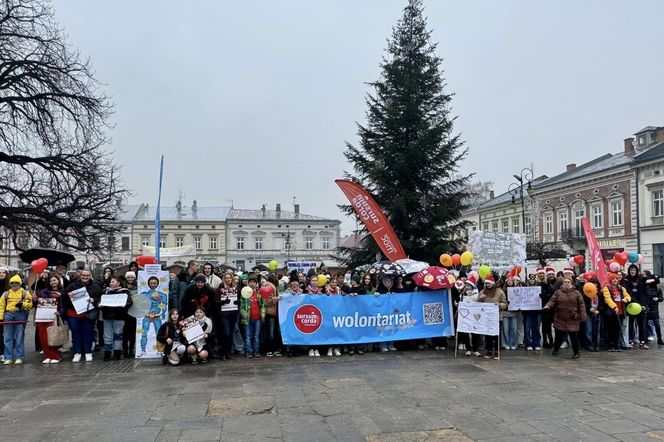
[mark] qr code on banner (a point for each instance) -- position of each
(433, 313)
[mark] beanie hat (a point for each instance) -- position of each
(200, 278)
(128, 274)
(15, 278)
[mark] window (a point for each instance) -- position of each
(506, 225)
(125, 243)
(485, 227)
(258, 243)
(494, 226)
(642, 140)
(562, 221)
(145, 240)
(548, 223)
(239, 243)
(308, 242)
(179, 241)
(617, 213)
(162, 242)
(515, 225)
(598, 216)
(528, 226)
(579, 214)
(198, 242)
(658, 203)
(326, 243)
(212, 242)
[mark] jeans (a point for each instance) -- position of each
(226, 323)
(531, 328)
(509, 332)
(624, 331)
(113, 329)
(651, 328)
(238, 339)
(252, 333)
(81, 334)
(592, 330)
(272, 335)
(14, 335)
(656, 327)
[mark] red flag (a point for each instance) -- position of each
(373, 218)
(595, 253)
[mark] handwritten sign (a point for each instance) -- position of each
(113, 300)
(46, 308)
(81, 300)
(524, 298)
(192, 330)
(479, 318)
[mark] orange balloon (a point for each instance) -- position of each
(589, 289)
(456, 259)
(446, 260)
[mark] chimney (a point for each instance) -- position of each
(178, 206)
(297, 210)
(629, 146)
(659, 137)
(492, 194)
(194, 206)
(263, 210)
(571, 167)
(278, 210)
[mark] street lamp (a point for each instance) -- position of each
(524, 179)
(287, 243)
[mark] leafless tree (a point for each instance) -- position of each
(58, 184)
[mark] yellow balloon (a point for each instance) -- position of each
(322, 280)
(484, 271)
(466, 258)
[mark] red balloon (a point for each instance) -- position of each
(578, 259)
(608, 262)
(620, 258)
(456, 259)
(265, 291)
(143, 260)
(39, 265)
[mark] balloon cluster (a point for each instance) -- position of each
(455, 260)
(576, 260)
(620, 259)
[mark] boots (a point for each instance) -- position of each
(107, 355)
(117, 355)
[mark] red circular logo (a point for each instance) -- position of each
(308, 318)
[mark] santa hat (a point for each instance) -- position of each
(472, 281)
(550, 271)
(569, 270)
(489, 279)
(539, 270)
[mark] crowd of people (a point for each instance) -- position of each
(238, 313)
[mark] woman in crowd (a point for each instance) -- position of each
(129, 330)
(4, 286)
(653, 298)
(15, 304)
(636, 288)
(227, 304)
(212, 280)
(494, 295)
(114, 320)
(199, 350)
(510, 318)
(170, 337)
(569, 311)
(313, 289)
(616, 299)
(469, 343)
(54, 291)
(270, 294)
(252, 313)
(105, 280)
(81, 324)
(593, 319)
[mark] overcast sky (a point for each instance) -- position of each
(252, 101)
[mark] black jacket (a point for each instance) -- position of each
(652, 293)
(113, 313)
(636, 289)
(94, 291)
(193, 298)
(170, 330)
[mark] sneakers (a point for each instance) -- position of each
(329, 351)
(538, 349)
(55, 361)
(512, 348)
(496, 357)
(564, 345)
(651, 338)
(384, 349)
(477, 353)
(77, 358)
(249, 355)
(18, 362)
(337, 352)
(360, 352)
(316, 353)
(468, 353)
(395, 349)
(269, 354)
(643, 346)
(529, 348)
(351, 352)
(46, 361)
(7, 362)
(312, 353)
(88, 357)
(257, 355)
(462, 347)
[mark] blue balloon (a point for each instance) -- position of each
(633, 257)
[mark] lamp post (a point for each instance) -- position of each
(287, 243)
(516, 189)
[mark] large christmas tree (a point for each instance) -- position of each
(408, 156)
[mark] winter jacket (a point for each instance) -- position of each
(636, 287)
(213, 281)
(226, 300)
(653, 297)
(170, 330)
(569, 309)
(494, 296)
(94, 292)
(9, 301)
(610, 303)
(116, 313)
(245, 309)
(195, 297)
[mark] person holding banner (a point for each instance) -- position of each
(199, 350)
(156, 313)
(129, 331)
(81, 324)
(616, 299)
(114, 319)
(510, 318)
(470, 343)
(568, 312)
(51, 354)
(170, 338)
(226, 305)
(494, 295)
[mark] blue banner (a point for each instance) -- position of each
(337, 319)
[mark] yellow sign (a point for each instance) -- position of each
(611, 244)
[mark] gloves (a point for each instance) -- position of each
(19, 305)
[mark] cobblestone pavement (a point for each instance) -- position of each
(403, 396)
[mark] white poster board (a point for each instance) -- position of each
(500, 251)
(81, 300)
(46, 309)
(156, 303)
(479, 318)
(192, 330)
(524, 298)
(113, 300)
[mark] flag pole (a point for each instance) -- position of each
(157, 221)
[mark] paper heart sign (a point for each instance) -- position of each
(477, 316)
(464, 312)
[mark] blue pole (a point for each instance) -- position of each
(157, 221)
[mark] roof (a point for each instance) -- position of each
(599, 164)
(654, 152)
(646, 129)
(127, 212)
(249, 214)
(172, 213)
(351, 241)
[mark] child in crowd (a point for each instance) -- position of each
(170, 338)
(252, 313)
(200, 350)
